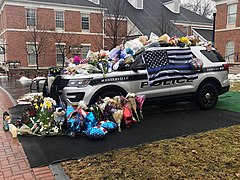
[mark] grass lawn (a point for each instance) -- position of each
(210, 155)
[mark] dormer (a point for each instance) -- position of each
(173, 5)
(95, 1)
(138, 4)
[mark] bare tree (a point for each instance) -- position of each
(65, 42)
(63, 45)
(39, 40)
(114, 19)
(201, 7)
(163, 25)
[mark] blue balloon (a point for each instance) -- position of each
(108, 125)
(90, 120)
(96, 132)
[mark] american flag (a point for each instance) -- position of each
(169, 64)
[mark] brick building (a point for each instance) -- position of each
(46, 28)
(227, 39)
(51, 29)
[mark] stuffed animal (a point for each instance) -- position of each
(143, 39)
(6, 120)
(164, 38)
(59, 117)
(25, 130)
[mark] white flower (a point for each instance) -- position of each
(82, 104)
(129, 95)
(102, 106)
(106, 99)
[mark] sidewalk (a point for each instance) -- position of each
(13, 161)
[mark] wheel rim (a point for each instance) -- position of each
(208, 97)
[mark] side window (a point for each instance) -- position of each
(229, 53)
(31, 17)
(85, 22)
(60, 49)
(232, 14)
(59, 19)
(31, 52)
(213, 56)
(85, 50)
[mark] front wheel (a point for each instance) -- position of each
(207, 96)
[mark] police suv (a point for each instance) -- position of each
(210, 81)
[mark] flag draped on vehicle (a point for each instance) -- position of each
(169, 64)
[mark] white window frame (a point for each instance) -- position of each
(139, 4)
(59, 20)
(59, 53)
(95, 1)
(229, 50)
(231, 14)
(34, 18)
(85, 16)
(83, 52)
(31, 53)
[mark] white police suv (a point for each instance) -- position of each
(159, 73)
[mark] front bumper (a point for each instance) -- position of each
(73, 95)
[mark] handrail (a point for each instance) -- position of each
(235, 55)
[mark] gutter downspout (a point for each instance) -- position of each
(103, 41)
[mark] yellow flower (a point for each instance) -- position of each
(48, 104)
(41, 105)
(184, 40)
(36, 106)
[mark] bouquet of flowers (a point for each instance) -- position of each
(36, 105)
(45, 115)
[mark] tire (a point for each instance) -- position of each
(207, 96)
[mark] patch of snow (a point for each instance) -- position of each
(23, 78)
(234, 77)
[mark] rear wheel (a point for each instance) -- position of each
(207, 96)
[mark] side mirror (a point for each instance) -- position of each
(37, 85)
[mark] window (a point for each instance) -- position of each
(139, 4)
(232, 14)
(59, 18)
(213, 56)
(31, 54)
(85, 50)
(229, 51)
(59, 50)
(95, 1)
(31, 17)
(85, 22)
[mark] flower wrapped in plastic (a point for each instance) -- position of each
(128, 118)
(96, 132)
(75, 121)
(132, 100)
(118, 115)
(108, 125)
(183, 41)
(140, 100)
